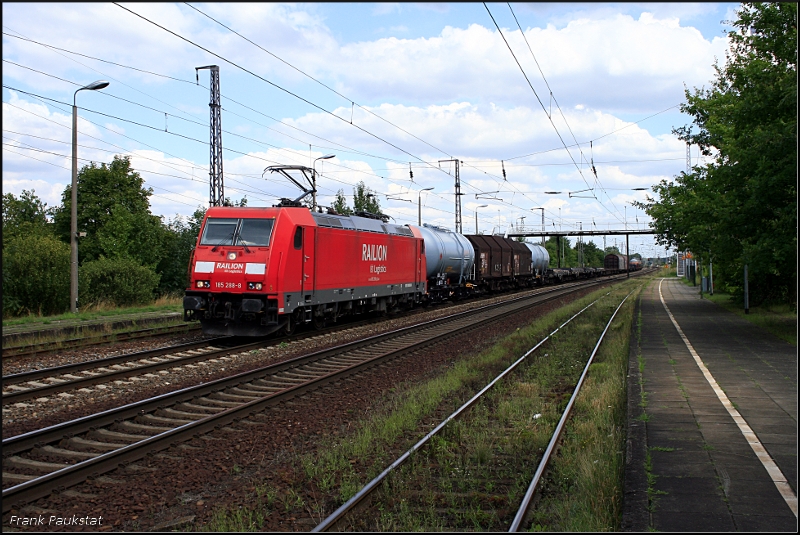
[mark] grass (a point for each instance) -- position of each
(778, 319)
(473, 474)
(172, 303)
(466, 468)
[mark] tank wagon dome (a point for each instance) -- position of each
(447, 253)
(540, 258)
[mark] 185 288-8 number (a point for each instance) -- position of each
(229, 285)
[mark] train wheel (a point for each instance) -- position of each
(318, 321)
(290, 326)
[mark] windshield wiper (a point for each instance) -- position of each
(226, 238)
(238, 237)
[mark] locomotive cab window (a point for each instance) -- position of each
(248, 231)
(219, 231)
(255, 232)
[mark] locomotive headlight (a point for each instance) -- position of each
(254, 285)
(203, 284)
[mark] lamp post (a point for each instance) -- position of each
(542, 209)
(73, 239)
(476, 216)
(419, 206)
(314, 180)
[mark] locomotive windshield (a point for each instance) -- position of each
(254, 232)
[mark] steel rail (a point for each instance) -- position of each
(71, 384)
(105, 377)
(526, 500)
(72, 474)
(72, 343)
(339, 514)
(32, 375)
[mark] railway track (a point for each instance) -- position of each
(36, 463)
(37, 348)
(48, 381)
(492, 490)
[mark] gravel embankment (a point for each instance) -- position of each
(183, 486)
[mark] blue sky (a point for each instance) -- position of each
(420, 83)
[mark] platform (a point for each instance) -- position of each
(692, 462)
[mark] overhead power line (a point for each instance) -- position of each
(273, 84)
(348, 99)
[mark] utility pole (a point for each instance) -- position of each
(216, 194)
(688, 158)
(458, 195)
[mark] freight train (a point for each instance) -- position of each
(619, 262)
(256, 271)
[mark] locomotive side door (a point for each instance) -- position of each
(308, 282)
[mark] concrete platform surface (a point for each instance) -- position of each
(713, 449)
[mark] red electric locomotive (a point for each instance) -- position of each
(255, 271)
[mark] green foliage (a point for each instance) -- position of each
(180, 241)
(114, 212)
(742, 207)
(340, 204)
(35, 274)
(242, 202)
(365, 200)
(593, 256)
(25, 214)
(121, 281)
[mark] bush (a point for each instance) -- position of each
(120, 281)
(35, 275)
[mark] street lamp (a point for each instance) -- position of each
(476, 216)
(419, 206)
(542, 209)
(73, 239)
(314, 180)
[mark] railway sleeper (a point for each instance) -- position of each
(53, 451)
(234, 397)
(281, 385)
(257, 388)
(149, 429)
(323, 367)
(302, 376)
(189, 405)
(173, 413)
(257, 394)
(82, 444)
(41, 467)
(219, 402)
(102, 434)
(16, 479)
(158, 420)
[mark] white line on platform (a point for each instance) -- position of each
(772, 469)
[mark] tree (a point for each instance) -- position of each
(593, 256)
(365, 200)
(340, 204)
(114, 212)
(181, 239)
(741, 208)
(119, 281)
(35, 262)
(25, 214)
(35, 274)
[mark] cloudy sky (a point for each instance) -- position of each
(387, 88)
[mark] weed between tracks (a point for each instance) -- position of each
(473, 475)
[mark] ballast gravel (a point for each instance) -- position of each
(182, 488)
(38, 413)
